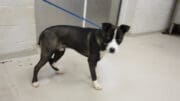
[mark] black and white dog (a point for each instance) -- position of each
(89, 42)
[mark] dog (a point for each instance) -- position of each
(89, 42)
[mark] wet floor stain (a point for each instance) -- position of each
(3, 62)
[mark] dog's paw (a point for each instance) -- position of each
(55, 65)
(59, 72)
(35, 84)
(96, 85)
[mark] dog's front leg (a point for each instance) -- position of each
(92, 66)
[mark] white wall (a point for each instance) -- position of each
(176, 15)
(146, 15)
(17, 25)
(127, 11)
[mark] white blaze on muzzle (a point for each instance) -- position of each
(113, 45)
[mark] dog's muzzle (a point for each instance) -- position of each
(112, 47)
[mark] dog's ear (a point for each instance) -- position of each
(106, 26)
(124, 28)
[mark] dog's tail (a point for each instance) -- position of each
(38, 45)
(40, 38)
(38, 41)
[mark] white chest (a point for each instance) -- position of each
(102, 53)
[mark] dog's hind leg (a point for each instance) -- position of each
(57, 55)
(43, 60)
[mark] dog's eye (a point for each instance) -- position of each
(105, 43)
(119, 41)
(108, 38)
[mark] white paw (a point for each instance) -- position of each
(35, 84)
(96, 85)
(59, 72)
(55, 64)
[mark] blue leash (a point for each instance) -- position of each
(73, 14)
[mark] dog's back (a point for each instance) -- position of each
(66, 36)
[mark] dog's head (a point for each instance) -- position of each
(111, 36)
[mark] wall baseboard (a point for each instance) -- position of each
(23, 53)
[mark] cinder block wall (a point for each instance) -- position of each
(17, 26)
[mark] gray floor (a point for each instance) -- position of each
(147, 68)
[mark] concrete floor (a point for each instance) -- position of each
(147, 68)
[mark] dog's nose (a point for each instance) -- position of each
(111, 50)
